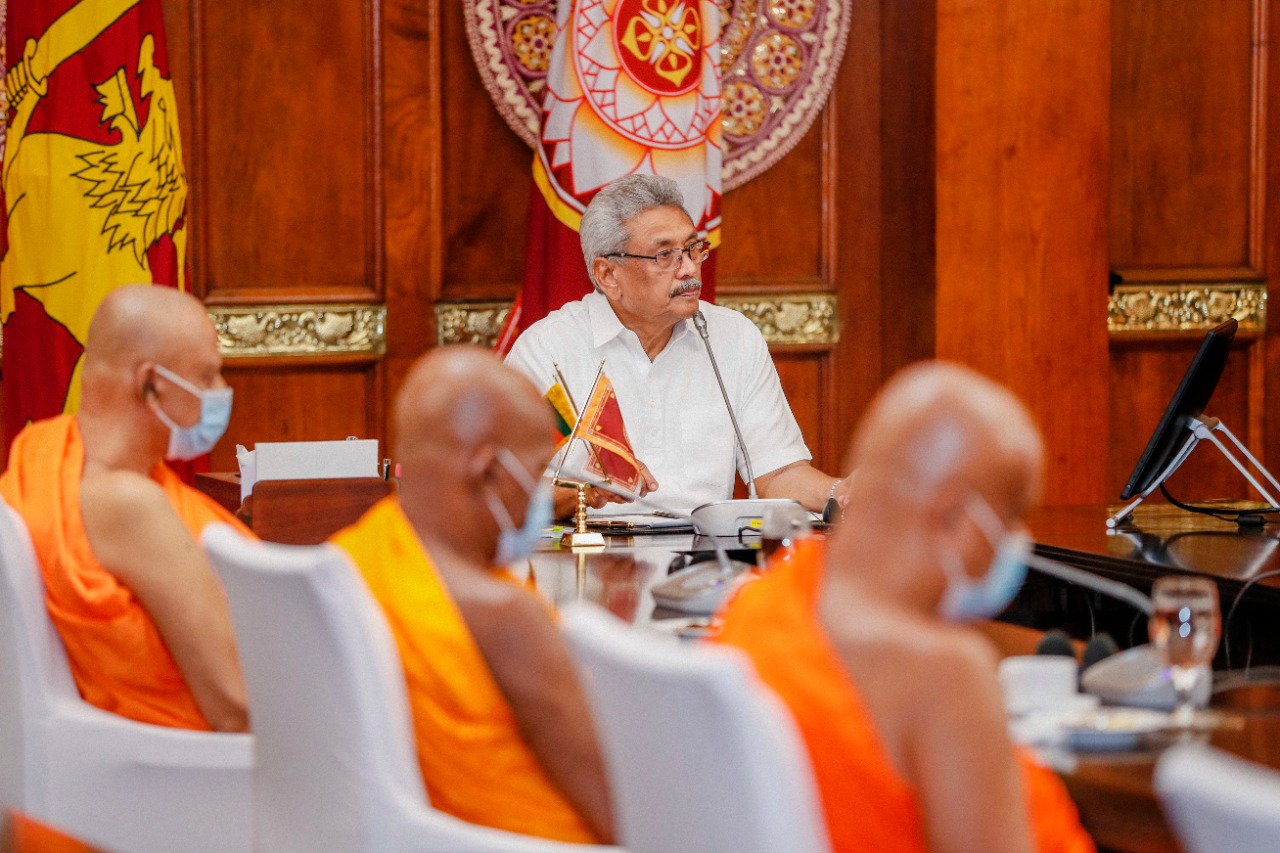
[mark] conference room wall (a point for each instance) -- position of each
(350, 155)
(1193, 205)
(355, 157)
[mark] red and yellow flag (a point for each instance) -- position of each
(94, 187)
(603, 427)
(633, 87)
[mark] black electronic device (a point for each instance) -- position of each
(1188, 401)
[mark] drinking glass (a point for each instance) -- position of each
(780, 527)
(1184, 628)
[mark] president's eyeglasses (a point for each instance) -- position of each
(669, 259)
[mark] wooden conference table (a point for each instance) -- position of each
(1113, 790)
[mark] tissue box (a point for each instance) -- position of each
(306, 460)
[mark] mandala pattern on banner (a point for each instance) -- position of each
(779, 59)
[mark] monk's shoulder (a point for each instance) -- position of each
(487, 598)
(121, 496)
(957, 663)
(955, 656)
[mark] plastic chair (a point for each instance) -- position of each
(1216, 801)
(110, 781)
(702, 756)
(336, 762)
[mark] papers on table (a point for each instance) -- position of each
(638, 523)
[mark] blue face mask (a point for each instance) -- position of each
(517, 543)
(967, 599)
(199, 438)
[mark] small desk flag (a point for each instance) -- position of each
(603, 427)
(562, 410)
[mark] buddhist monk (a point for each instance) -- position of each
(140, 611)
(504, 735)
(866, 639)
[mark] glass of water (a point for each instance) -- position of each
(1185, 629)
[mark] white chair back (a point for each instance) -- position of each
(702, 756)
(113, 782)
(336, 762)
(34, 674)
(1216, 801)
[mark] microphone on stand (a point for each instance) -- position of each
(1111, 588)
(700, 323)
(1101, 645)
(732, 517)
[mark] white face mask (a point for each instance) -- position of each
(199, 438)
(517, 543)
(967, 599)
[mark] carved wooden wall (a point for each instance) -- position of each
(281, 114)
(351, 175)
(352, 163)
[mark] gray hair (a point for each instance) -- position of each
(604, 223)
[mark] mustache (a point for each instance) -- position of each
(689, 285)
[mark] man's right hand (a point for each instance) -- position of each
(566, 498)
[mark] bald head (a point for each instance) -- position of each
(471, 437)
(145, 322)
(461, 397)
(937, 423)
(943, 460)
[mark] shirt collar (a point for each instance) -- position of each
(605, 325)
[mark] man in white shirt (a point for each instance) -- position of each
(644, 257)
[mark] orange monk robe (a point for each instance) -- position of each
(474, 762)
(118, 659)
(868, 805)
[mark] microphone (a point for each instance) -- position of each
(1056, 642)
(1100, 647)
(1107, 587)
(700, 323)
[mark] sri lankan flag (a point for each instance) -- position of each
(562, 411)
(94, 190)
(603, 427)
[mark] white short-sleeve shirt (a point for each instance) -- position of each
(676, 419)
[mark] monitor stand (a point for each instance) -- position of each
(1202, 428)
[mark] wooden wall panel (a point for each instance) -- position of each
(1021, 209)
(486, 173)
(305, 403)
(803, 381)
(282, 106)
(281, 116)
(1192, 155)
(1187, 178)
(776, 231)
(412, 138)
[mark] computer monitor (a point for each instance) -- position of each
(1188, 402)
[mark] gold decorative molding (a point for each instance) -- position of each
(470, 322)
(1194, 308)
(251, 331)
(789, 319)
(785, 319)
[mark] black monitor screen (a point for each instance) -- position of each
(1188, 402)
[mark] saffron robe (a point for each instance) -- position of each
(867, 803)
(118, 659)
(474, 762)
